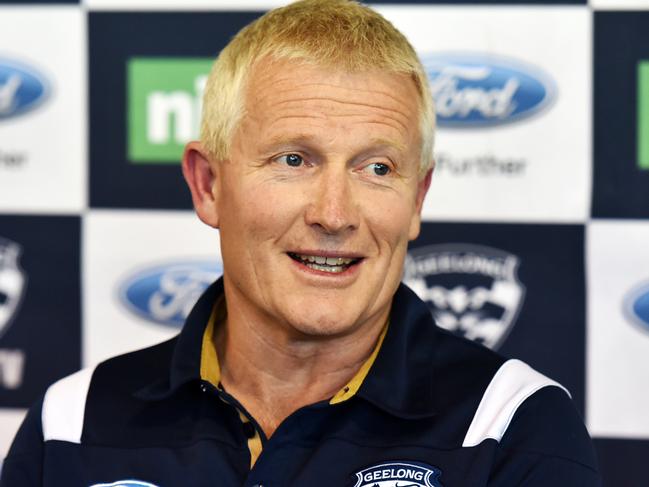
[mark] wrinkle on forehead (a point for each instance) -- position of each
(304, 120)
(275, 93)
(286, 92)
(286, 84)
(346, 108)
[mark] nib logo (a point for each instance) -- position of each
(643, 115)
(164, 106)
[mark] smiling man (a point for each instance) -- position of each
(308, 363)
(316, 200)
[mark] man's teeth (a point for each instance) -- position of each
(326, 264)
(325, 260)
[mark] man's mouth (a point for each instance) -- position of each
(323, 263)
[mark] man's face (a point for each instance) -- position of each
(320, 196)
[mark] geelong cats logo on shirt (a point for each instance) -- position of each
(472, 290)
(126, 483)
(399, 474)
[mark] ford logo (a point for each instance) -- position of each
(636, 306)
(21, 89)
(477, 90)
(165, 294)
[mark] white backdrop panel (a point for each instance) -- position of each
(121, 245)
(618, 348)
(549, 151)
(48, 142)
(620, 4)
(184, 5)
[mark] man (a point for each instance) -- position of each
(308, 363)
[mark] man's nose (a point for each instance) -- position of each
(332, 207)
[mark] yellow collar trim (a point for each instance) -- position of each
(254, 444)
(355, 383)
(210, 368)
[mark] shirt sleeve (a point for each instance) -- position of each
(546, 444)
(24, 463)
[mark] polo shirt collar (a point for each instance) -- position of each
(399, 380)
(185, 364)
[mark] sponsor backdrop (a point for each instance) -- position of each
(536, 233)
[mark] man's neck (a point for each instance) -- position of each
(273, 372)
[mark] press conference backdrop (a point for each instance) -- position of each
(536, 233)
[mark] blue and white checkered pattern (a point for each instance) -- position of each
(542, 173)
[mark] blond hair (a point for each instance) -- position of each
(334, 33)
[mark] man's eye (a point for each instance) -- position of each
(378, 169)
(293, 160)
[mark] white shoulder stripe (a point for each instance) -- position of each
(64, 407)
(514, 382)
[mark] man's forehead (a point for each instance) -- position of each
(293, 84)
(277, 74)
(291, 103)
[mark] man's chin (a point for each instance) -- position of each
(322, 327)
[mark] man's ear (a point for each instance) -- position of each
(200, 176)
(422, 188)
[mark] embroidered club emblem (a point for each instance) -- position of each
(126, 483)
(399, 474)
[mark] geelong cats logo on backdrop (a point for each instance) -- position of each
(472, 290)
(12, 282)
(399, 474)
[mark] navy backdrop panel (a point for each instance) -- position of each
(621, 189)
(549, 329)
(114, 181)
(623, 463)
(22, 2)
(45, 327)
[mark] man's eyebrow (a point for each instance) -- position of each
(388, 143)
(294, 139)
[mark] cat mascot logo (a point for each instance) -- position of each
(12, 282)
(472, 291)
(399, 474)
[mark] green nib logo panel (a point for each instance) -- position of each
(164, 106)
(643, 115)
(147, 72)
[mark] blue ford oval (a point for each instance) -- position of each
(637, 306)
(479, 89)
(22, 88)
(165, 294)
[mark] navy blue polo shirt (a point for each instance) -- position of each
(427, 409)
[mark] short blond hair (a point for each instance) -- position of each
(333, 33)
